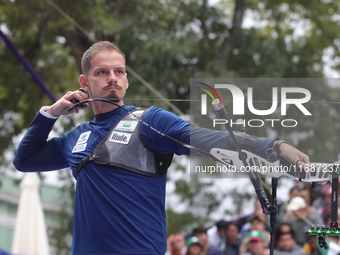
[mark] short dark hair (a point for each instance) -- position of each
(291, 233)
(95, 49)
(221, 224)
(279, 231)
(199, 230)
(256, 218)
(292, 189)
(233, 223)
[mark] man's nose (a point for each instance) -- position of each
(112, 78)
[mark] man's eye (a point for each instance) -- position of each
(101, 72)
(120, 71)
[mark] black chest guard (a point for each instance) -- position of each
(123, 146)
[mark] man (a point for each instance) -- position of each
(286, 245)
(233, 241)
(120, 196)
(293, 192)
(207, 248)
(300, 219)
(194, 246)
(176, 245)
(217, 234)
(257, 223)
(256, 244)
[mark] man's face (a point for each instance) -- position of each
(107, 76)
(294, 193)
(232, 233)
(195, 249)
(177, 244)
(256, 247)
(203, 237)
(257, 225)
(286, 242)
(301, 213)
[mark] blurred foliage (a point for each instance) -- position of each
(167, 42)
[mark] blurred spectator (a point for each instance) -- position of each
(332, 241)
(282, 227)
(311, 247)
(256, 224)
(311, 210)
(233, 242)
(246, 227)
(286, 245)
(207, 249)
(326, 208)
(307, 196)
(320, 202)
(176, 245)
(293, 192)
(327, 218)
(333, 245)
(217, 234)
(256, 244)
(194, 246)
(300, 220)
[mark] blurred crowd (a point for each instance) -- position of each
(250, 235)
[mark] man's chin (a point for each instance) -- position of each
(115, 100)
(113, 97)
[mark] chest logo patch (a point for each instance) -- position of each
(119, 137)
(127, 125)
(83, 137)
(79, 147)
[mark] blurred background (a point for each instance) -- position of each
(166, 42)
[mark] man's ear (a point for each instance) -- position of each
(83, 82)
(127, 82)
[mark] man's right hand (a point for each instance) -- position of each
(63, 104)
